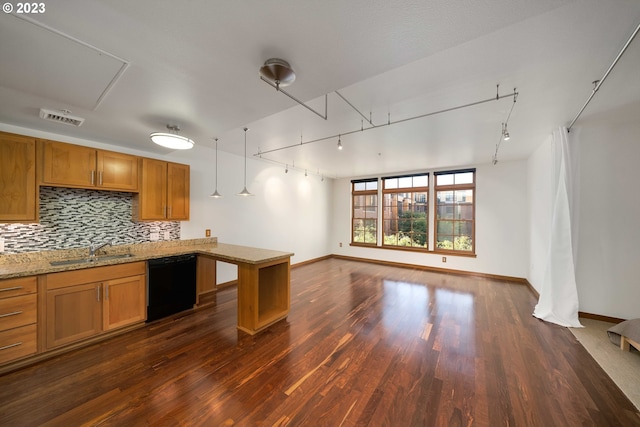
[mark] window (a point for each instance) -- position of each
(405, 211)
(365, 211)
(455, 210)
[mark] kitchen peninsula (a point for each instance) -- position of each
(263, 281)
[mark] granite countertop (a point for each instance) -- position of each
(34, 263)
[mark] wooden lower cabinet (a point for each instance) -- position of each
(73, 313)
(77, 310)
(18, 318)
(124, 302)
(17, 343)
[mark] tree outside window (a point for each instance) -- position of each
(455, 210)
(365, 211)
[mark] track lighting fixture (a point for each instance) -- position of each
(339, 143)
(244, 191)
(505, 132)
(215, 194)
(172, 139)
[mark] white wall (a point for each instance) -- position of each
(540, 189)
(288, 212)
(501, 225)
(608, 267)
(608, 255)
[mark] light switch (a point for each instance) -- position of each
(167, 235)
(155, 236)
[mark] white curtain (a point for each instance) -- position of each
(558, 301)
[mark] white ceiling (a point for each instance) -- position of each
(131, 67)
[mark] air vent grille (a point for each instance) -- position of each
(61, 117)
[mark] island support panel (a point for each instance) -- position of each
(263, 294)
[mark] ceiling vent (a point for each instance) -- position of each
(62, 116)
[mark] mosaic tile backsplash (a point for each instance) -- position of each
(74, 218)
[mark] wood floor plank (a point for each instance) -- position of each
(363, 345)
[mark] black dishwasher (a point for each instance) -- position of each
(171, 285)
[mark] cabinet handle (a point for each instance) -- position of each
(164, 211)
(98, 293)
(106, 288)
(10, 346)
(15, 288)
(100, 178)
(93, 177)
(169, 216)
(11, 314)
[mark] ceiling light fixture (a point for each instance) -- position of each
(244, 191)
(505, 132)
(286, 168)
(278, 73)
(339, 143)
(172, 139)
(215, 194)
(504, 135)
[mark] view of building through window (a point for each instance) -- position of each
(455, 210)
(405, 211)
(365, 211)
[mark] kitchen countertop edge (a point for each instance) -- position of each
(140, 252)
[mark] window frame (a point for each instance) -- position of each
(455, 187)
(412, 190)
(355, 193)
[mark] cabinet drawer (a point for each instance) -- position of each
(94, 274)
(18, 311)
(19, 286)
(18, 342)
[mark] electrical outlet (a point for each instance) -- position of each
(444, 259)
(340, 244)
(1, 244)
(167, 235)
(154, 236)
(207, 233)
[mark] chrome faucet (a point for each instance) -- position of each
(95, 248)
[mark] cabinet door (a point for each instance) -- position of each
(17, 178)
(124, 302)
(117, 171)
(178, 191)
(68, 165)
(73, 313)
(153, 194)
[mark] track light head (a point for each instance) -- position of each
(339, 143)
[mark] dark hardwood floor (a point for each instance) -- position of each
(364, 345)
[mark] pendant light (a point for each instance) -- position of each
(244, 191)
(215, 194)
(172, 139)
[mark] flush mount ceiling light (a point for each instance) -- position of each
(244, 191)
(215, 194)
(172, 139)
(278, 71)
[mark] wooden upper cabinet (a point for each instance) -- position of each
(18, 195)
(178, 191)
(68, 165)
(164, 191)
(152, 203)
(117, 171)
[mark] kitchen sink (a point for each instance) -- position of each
(89, 260)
